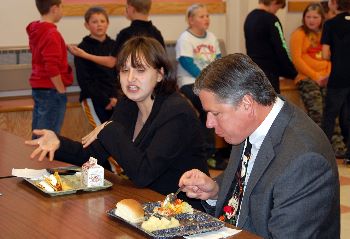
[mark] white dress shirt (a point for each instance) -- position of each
(258, 136)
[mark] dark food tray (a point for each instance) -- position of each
(190, 224)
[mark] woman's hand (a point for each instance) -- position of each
(112, 103)
(197, 184)
(88, 139)
(47, 143)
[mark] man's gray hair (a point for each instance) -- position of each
(232, 77)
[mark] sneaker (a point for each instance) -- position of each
(218, 164)
(338, 146)
(211, 163)
(346, 161)
(340, 154)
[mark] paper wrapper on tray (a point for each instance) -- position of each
(92, 174)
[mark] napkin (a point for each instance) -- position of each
(33, 174)
(222, 233)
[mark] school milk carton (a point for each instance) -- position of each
(92, 174)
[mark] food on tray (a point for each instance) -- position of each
(157, 226)
(155, 223)
(170, 209)
(130, 210)
(45, 186)
(51, 183)
(92, 174)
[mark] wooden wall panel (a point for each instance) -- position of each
(18, 123)
(75, 125)
(298, 6)
(291, 93)
(157, 8)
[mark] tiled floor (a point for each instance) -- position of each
(344, 176)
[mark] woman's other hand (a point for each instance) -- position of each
(88, 139)
(112, 103)
(47, 143)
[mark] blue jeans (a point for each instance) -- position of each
(49, 109)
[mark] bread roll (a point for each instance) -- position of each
(130, 210)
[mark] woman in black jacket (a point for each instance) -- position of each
(154, 134)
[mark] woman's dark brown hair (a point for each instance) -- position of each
(146, 50)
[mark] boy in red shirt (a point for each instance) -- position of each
(51, 73)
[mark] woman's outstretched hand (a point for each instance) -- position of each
(47, 143)
(92, 136)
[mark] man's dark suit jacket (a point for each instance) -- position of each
(293, 189)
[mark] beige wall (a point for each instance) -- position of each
(237, 11)
(16, 14)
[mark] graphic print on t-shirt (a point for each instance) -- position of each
(203, 55)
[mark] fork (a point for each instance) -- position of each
(171, 197)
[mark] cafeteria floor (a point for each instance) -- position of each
(344, 177)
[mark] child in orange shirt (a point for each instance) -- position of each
(306, 52)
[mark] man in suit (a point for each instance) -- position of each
(287, 185)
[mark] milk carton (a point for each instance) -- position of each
(92, 174)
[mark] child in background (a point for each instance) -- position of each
(195, 49)
(51, 73)
(335, 46)
(265, 42)
(137, 11)
(98, 83)
(306, 51)
(327, 12)
(313, 70)
(337, 138)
